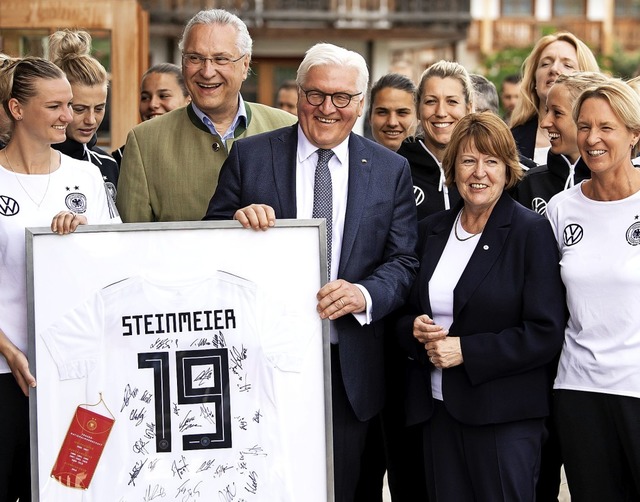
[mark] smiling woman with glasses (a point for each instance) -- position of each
(198, 61)
(339, 99)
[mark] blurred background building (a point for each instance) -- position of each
(487, 36)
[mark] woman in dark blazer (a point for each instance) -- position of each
(484, 321)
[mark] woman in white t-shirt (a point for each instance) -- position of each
(597, 226)
(38, 187)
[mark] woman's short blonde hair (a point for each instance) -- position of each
(623, 100)
(577, 83)
(491, 136)
(447, 69)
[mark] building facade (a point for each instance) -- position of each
(388, 33)
(604, 25)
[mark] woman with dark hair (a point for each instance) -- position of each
(162, 90)
(392, 110)
(391, 446)
(34, 183)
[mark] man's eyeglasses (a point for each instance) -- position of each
(339, 99)
(198, 61)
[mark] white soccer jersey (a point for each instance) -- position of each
(187, 370)
(599, 245)
(32, 200)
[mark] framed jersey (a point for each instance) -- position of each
(179, 361)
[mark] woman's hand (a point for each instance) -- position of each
(425, 330)
(445, 353)
(66, 222)
(18, 363)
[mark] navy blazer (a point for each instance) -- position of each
(379, 241)
(509, 312)
(525, 137)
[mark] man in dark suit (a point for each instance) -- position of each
(371, 229)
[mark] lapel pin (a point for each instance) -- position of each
(485, 247)
(364, 161)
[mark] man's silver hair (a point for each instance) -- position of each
(324, 54)
(221, 16)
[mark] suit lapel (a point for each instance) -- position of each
(359, 175)
(284, 154)
(486, 253)
(432, 249)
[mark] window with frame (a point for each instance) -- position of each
(35, 42)
(569, 8)
(517, 8)
(627, 8)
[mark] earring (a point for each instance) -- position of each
(19, 118)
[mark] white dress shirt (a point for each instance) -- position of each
(306, 161)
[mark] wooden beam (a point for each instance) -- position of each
(56, 14)
(129, 42)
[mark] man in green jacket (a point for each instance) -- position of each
(171, 163)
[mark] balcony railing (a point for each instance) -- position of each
(520, 33)
(333, 13)
(627, 34)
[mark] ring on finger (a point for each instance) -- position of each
(431, 360)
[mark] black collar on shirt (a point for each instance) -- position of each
(75, 149)
(558, 165)
(241, 127)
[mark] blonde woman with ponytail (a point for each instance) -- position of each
(71, 51)
(38, 187)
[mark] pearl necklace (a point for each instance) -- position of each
(455, 229)
(46, 190)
